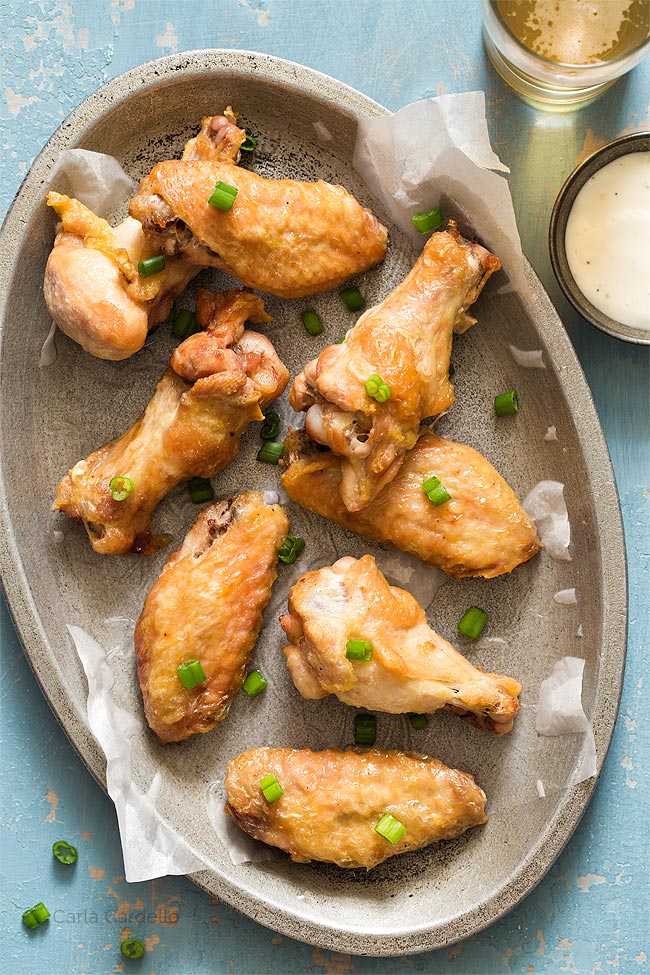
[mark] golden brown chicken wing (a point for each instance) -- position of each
(282, 236)
(333, 800)
(412, 669)
(92, 287)
(481, 531)
(404, 343)
(216, 383)
(207, 605)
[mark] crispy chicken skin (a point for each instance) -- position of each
(333, 799)
(282, 236)
(216, 383)
(406, 340)
(207, 605)
(412, 668)
(92, 287)
(481, 531)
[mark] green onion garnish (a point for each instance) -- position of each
(271, 788)
(151, 265)
(506, 404)
(340, 341)
(390, 828)
(200, 490)
(224, 196)
(473, 622)
(132, 948)
(377, 389)
(255, 683)
(435, 491)
(64, 852)
(186, 324)
(452, 371)
(271, 426)
(365, 729)
(312, 322)
(249, 144)
(120, 488)
(35, 915)
(353, 299)
(191, 674)
(290, 549)
(358, 650)
(427, 221)
(271, 452)
(172, 316)
(418, 721)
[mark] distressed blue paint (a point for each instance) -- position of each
(57, 53)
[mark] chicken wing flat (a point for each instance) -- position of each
(282, 236)
(216, 383)
(481, 531)
(92, 287)
(412, 669)
(333, 800)
(207, 605)
(404, 343)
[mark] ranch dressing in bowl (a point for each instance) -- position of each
(607, 240)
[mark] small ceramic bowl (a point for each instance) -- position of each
(638, 142)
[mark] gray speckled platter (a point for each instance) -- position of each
(51, 417)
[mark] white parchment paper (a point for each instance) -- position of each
(559, 712)
(437, 153)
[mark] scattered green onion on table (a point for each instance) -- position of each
(506, 404)
(353, 299)
(271, 426)
(365, 729)
(249, 144)
(186, 324)
(427, 221)
(291, 548)
(64, 852)
(312, 322)
(255, 683)
(132, 948)
(200, 490)
(418, 721)
(473, 622)
(35, 915)
(270, 452)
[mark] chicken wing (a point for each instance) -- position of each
(92, 287)
(411, 669)
(282, 236)
(481, 531)
(406, 342)
(333, 800)
(216, 383)
(207, 605)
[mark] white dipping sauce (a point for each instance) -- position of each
(607, 240)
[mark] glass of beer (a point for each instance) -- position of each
(558, 54)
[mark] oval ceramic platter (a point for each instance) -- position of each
(52, 417)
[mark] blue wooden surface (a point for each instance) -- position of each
(590, 914)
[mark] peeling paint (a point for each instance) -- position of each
(151, 942)
(16, 102)
(53, 800)
(169, 39)
(542, 943)
(626, 763)
(584, 883)
(334, 962)
(97, 873)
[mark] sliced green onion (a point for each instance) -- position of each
(249, 144)
(290, 549)
(132, 948)
(64, 852)
(120, 488)
(151, 265)
(200, 490)
(35, 915)
(473, 622)
(191, 674)
(340, 341)
(186, 324)
(172, 316)
(418, 721)
(224, 196)
(506, 404)
(390, 828)
(365, 729)
(271, 452)
(377, 388)
(435, 491)
(271, 426)
(427, 221)
(452, 371)
(312, 322)
(353, 299)
(358, 650)
(271, 788)
(255, 683)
